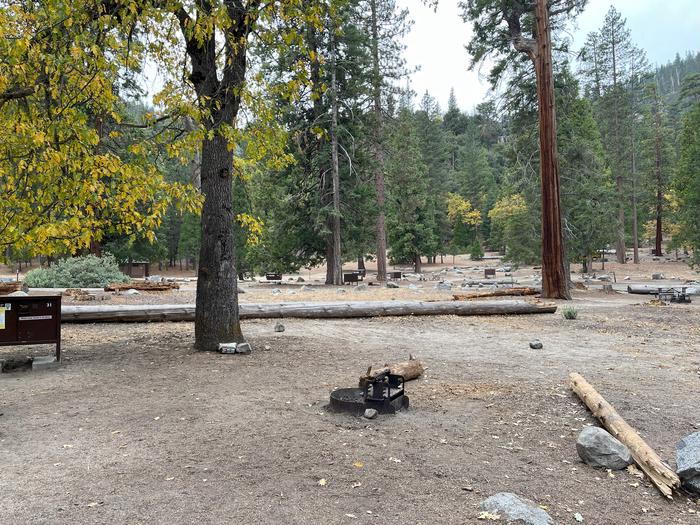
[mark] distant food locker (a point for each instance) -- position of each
(31, 320)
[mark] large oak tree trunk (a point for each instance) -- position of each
(219, 86)
(216, 319)
(554, 281)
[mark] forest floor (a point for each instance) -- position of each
(135, 427)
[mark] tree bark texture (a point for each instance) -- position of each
(554, 281)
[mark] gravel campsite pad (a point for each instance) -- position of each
(135, 427)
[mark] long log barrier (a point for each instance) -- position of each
(185, 312)
(656, 470)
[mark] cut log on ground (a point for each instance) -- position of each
(650, 289)
(410, 370)
(142, 286)
(174, 312)
(498, 292)
(656, 470)
(9, 287)
(487, 282)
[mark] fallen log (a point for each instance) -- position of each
(13, 286)
(142, 286)
(185, 312)
(487, 282)
(410, 370)
(645, 289)
(656, 470)
(498, 292)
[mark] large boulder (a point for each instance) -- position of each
(514, 509)
(598, 448)
(688, 461)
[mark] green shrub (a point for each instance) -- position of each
(476, 252)
(570, 313)
(77, 272)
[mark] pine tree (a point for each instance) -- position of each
(612, 68)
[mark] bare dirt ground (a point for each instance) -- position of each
(135, 427)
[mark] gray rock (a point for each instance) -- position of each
(443, 285)
(279, 327)
(598, 448)
(657, 276)
(392, 284)
(19, 293)
(688, 461)
(243, 348)
(234, 348)
(307, 288)
(300, 279)
(44, 362)
(276, 291)
(341, 290)
(536, 344)
(627, 278)
(360, 288)
(514, 509)
(370, 413)
(267, 348)
(155, 279)
(131, 291)
(240, 290)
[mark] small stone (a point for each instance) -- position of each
(392, 284)
(279, 327)
(276, 291)
(370, 413)
(536, 344)
(627, 278)
(514, 509)
(267, 348)
(243, 348)
(598, 448)
(300, 279)
(341, 290)
(240, 291)
(131, 291)
(362, 287)
(307, 288)
(657, 276)
(443, 285)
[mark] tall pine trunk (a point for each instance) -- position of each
(658, 239)
(337, 261)
(378, 166)
(635, 217)
(554, 278)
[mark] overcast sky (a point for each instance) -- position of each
(436, 42)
